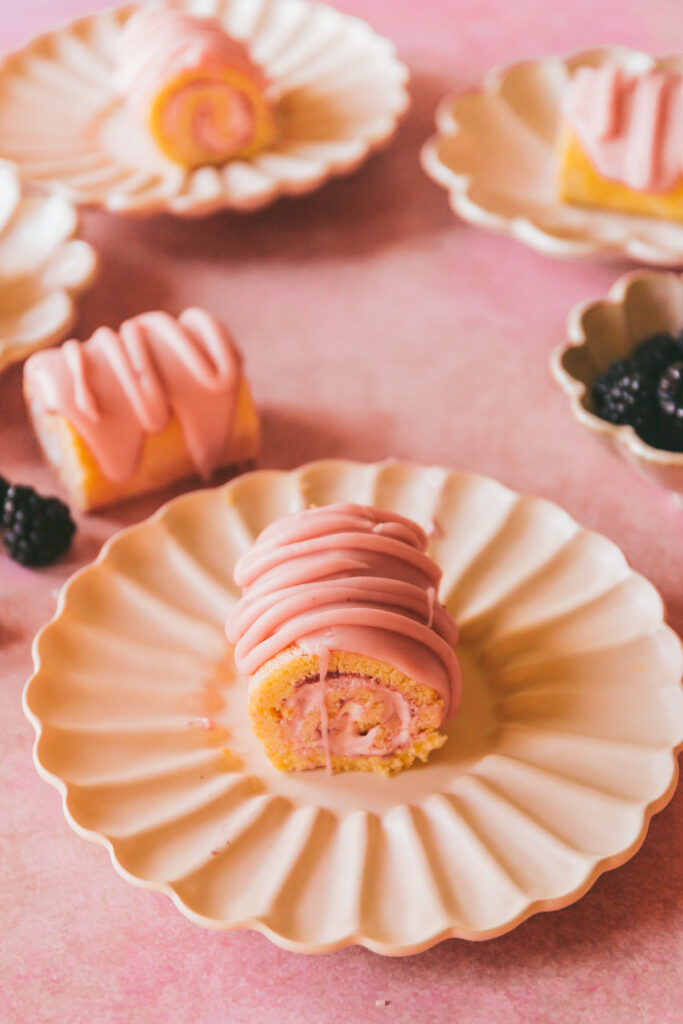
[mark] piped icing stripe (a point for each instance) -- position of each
(195, 87)
(118, 387)
(346, 577)
(630, 126)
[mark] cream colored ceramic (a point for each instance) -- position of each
(494, 152)
(341, 93)
(638, 305)
(42, 267)
(562, 751)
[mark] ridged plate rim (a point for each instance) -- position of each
(272, 933)
(14, 349)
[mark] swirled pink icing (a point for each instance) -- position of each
(161, 44)
(342, 736)
(631, 126)
(118, 387)
(351, 578)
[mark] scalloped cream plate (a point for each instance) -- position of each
(42, 266)
(341, 92)
(638, 305)
(563, 749)
(494, 152)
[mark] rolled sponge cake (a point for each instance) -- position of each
(131, 410)
(195, 88)
(350, 655)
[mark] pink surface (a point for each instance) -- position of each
(373, 324)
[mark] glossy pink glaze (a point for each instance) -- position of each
(161, 44)
(630, 126)
(117, 388)
(351, 578)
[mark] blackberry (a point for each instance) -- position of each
(670, 400)
(35, 530)
(3, 491)
(624, 394)
(655, 353)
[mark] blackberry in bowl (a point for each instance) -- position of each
(622, 370)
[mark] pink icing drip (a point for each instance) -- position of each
(431, 601)
(158, 45)
(341, 735)
(117, 388)
(631, 127)
(73, 357)
(351, 578)
(323, 665)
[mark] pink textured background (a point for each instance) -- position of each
(374, 324)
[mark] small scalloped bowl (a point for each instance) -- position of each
(42, 266)
(638, 305)
(341, 92)
(494, 152)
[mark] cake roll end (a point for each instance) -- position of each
(374, 717)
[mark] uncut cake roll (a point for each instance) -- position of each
(350, 655)
(132, 410)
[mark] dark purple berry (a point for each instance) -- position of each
(624, 394)
(655, 353)
(35, 530)
(670, 399)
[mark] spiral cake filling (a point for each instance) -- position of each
(363, 718)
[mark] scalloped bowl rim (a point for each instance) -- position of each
(648, 810)
(15, 351)
(576, 390)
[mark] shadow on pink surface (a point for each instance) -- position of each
(381, 204)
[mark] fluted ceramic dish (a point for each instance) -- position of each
(42, 267)
(494, 152)
(340, 88)
(563, 748)
(637, 306)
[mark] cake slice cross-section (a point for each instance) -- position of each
(349, 653)
(195, 89)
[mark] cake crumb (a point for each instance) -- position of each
(381, 1002)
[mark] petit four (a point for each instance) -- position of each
(131, 410)
(349, 652)
(621, 144)
(196, 89)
